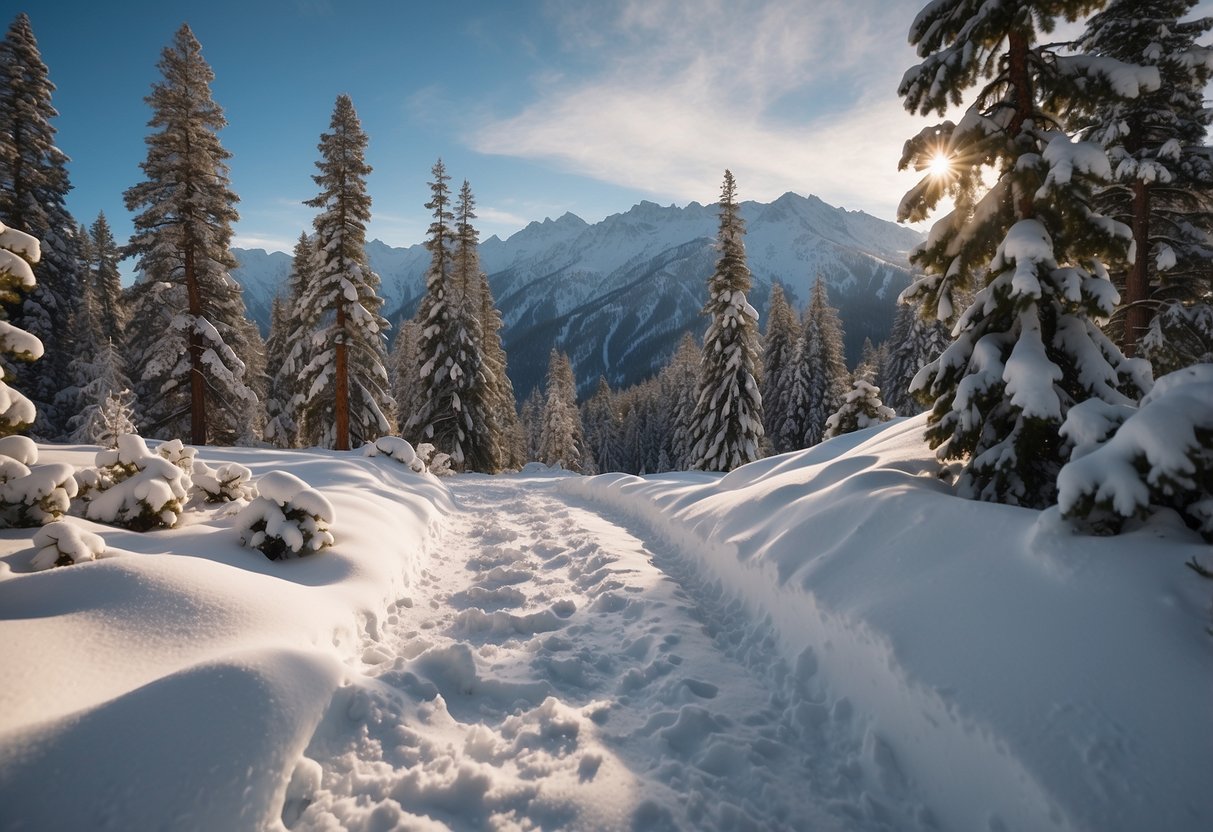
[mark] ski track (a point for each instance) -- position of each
(552, 670)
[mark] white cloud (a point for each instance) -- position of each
(790, 96)
(268, 242)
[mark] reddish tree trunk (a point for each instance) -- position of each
(197, 379)
(341, 439)
(1137, 284)
(1021, 81)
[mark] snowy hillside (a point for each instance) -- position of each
(619, 293)
(824, 640)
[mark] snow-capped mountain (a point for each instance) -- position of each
(618, 294)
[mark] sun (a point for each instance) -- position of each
(939, 165)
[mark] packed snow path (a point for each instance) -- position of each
(552, 670)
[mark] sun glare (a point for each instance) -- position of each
(940, 165)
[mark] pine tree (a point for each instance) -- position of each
(343, 385)
(107, 280)
(298, 325)
(183, 236)
(33, 190)
(680, 399)
(821, 373)
(450, 370)
(861, 408)
(105, 400)
(532, 423)
(778, 365)
(1028, 348)
(1162, 166)
(405, 371)
(913, 343)
(562, 440)
(502, 405)
(18, 251)
(728, 430)
(280, 419)
(484, 446)
(602, 428)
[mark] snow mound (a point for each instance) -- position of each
(1022, 676)
(62, 544)
(398, 449)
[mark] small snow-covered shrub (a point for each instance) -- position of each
(31, 496)
(435, 461)
(181, 455)
(288, 519)
(62, 544)
(861, 408)
(227, 483)
(1125, 461)
(398, 449)
(133, 487)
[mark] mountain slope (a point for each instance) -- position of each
(618, 294)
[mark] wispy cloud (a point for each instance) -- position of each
(268, 242)
(790, 96)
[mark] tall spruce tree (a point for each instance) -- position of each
(450, 364)
(913, 343)
(485, 447)
(343, 394)
(1156, 142)
(33, 190)
(821, 378)
(107, 280)
(681, 394)
(728, 428)
(183, 235)
(1028, 348)
(778, 367)
(562, 437)
(603, 427)
(280, 422)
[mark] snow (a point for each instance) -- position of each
(828, 639)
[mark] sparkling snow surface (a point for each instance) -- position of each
(823, 640)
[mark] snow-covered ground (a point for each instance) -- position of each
(822, 640)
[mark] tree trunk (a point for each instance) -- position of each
(197, 379)
(1021, 81)
(341, 438)
(1137, 284)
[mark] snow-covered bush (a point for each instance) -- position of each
(398, 449)
(104, 421)
(1125, 461)
(62, 544)
(861, 408)
(227, 483)
(434, 460)
(133, 487)
(18, 251)
(288, 519)
(181, 455)
(31, 494)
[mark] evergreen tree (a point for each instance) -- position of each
(602, 428)
(450, 368)
(406, 390)
(1180, 336)
(484, 446)
(299, 323)
(281, 426)
(1162, 167)
(681, 398)
(728, 430)
(343, 385)
(562, 438)
(33, 188)
(913, 343)
(821, 373)
(1028, 348)
(861, 408)
(778, 367)
(502, 407)
(532, 422)
(183, 236)
(105, 401)
(18, 251)
(107, 280)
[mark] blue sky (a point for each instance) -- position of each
(545, 107)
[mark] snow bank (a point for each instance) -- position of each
(1019, 675)
(174, 683)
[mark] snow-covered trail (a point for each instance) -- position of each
(553, 670)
